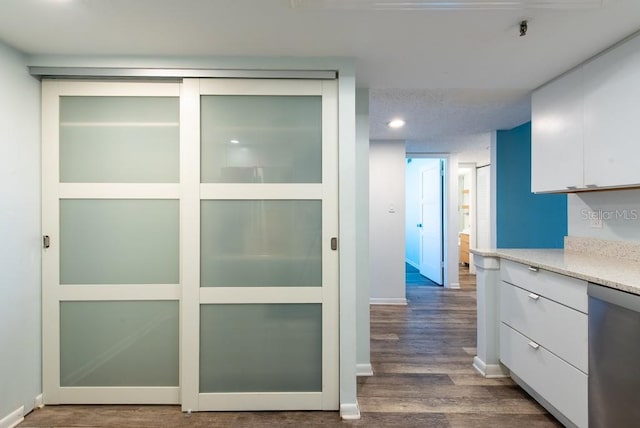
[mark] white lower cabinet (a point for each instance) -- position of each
(555, 380)
(544, 336)
(563, 289)
(562, 329)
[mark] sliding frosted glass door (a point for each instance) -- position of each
(191, 250)
(111, 216)
(262, 299)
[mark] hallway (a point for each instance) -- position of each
(421, 354)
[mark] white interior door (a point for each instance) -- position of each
(111, 266)
(260, 296)
(431, 243)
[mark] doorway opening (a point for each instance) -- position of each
(466, 207)
(425, 246)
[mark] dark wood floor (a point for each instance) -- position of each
(421, 354)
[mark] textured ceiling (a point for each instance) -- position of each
(436, 114)
(448, 121)
(450, 73)
(473, 148)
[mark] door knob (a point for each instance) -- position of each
(419, 224)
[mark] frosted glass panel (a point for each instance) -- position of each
(119, 139)
(261, 244)
(116, 241)
(261, 348)
(119, 343)
(261, 139)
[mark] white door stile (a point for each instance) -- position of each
(51, 255)
(330, 258)
(52, 292)
(190, 244)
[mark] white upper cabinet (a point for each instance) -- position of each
(611, 109)
(557, 137)
(584, 135)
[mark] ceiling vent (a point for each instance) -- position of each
(400, 5)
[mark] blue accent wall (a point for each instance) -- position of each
(524, 219)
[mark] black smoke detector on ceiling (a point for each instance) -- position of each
(523, 28)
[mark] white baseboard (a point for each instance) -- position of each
(490, 371)
(350, 411)
(13, 418)
(388, 301)
(454, 285)
(38, 402)
(364, 369)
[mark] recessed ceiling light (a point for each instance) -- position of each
(234, 142)
(396, 123)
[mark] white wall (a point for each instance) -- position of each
(387, 219)
(413, 215)
(348, 193)
(363, 353)
(493, 199)
(483, 200)
(619, 211)
(20, 325)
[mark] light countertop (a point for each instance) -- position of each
(608, 271)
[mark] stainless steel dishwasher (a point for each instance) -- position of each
(614, 358)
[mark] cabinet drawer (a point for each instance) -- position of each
(561, 384)
(560, 329)
(563, 289)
